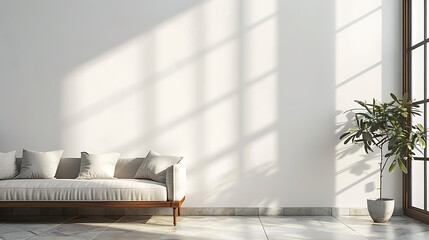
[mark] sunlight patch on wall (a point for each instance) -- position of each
(220, 21)
(220, 72)
(350, 11)
(220, 127)
(221, 180)
(98, 98)
(358, 47)
(103, 76)
(202, 84)
(358, 76)
(260, 153)
(175, 39)
(260, 105)
(174, 96)
(257, 11)
(260, 49)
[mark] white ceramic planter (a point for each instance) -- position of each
(381, 210)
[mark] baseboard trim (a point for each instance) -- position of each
(190, 211)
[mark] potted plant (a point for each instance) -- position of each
(388, 124)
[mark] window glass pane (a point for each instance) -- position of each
(419, 120)
(427, 19)
(417, 184)
(427, 186)
(417, 74)
(427, 73)
(417, 21)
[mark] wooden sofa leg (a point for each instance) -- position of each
(174, 216)
(179, 212)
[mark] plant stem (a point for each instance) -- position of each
(381, 172)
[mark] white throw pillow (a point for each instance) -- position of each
(98, 166)
(39, 164)
(8, 165)
(154, 166)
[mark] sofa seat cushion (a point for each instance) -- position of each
(82, 190)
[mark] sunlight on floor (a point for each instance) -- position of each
(215, 227)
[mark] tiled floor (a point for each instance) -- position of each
(204, 228)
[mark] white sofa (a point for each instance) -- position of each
(66, 191)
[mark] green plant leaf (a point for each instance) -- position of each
(344, 135)
(348, 139)
(422, 143)
(379, 123)
(367, 136)
(358, 133)
(362, 114)
(391, 143)
(364, 105)
(392, 166)
(402, 166)
(394, 97)
(405, 97)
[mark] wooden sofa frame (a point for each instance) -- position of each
(176, 205)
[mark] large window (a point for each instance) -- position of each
(416, 183)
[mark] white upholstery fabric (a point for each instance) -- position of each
(176, 182)
(82, 190)
(155, 166)
(39, 164)
(127, 167)
(8, 165)
(98, 166)
(69, 168)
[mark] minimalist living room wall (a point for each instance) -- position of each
(251, 93)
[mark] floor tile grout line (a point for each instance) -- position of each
(57, 225)
(108, 227)
(68, 219)
(49, 229)
(263, 228)
(349, 227)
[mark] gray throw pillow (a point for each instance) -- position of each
(8, 165)
(39, 164)
(154, 166)
(98, 166)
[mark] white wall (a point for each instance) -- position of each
(251, 92)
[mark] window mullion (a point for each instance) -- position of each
(425, 104)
